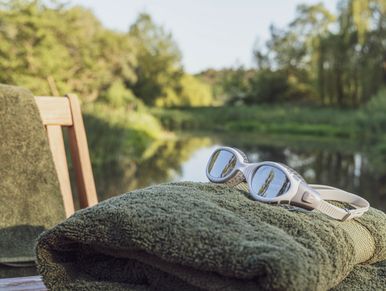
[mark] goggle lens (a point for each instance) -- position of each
(221, 164)
(270, 182)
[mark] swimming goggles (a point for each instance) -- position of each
(272, 182)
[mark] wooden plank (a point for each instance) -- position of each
(55, 139)
(54, 110)
(22, 283)
(81, 157)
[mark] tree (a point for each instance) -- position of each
(30, 54)
(340, 60)
(159, 68)
(61, 49)
(298, 50)
(236, 84)
(195, 92)
(118, 95)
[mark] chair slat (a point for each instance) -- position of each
(55, 139)
(81, 157)
(54, 110)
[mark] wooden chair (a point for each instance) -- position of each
(58, 112)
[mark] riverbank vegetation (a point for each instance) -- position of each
(63, 48)
(313, 99)
(318, 58)
(367, 122)
(322, 75)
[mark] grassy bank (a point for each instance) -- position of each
(289, 120)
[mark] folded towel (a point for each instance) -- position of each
(190, 236)
(365, 277)
(30, 198)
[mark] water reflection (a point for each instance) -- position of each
(161, 162)
(342, 164)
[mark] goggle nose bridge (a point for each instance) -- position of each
(246, 169)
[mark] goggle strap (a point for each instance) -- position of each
(335, 194)
(332, 210)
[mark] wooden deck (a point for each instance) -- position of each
(22, 283)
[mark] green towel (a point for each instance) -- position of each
(365, 277)
(30, 198)
(192, 236)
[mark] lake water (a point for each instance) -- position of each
(341, 163)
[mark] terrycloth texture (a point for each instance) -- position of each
(191, 236)
(365, 277)
(30, 198)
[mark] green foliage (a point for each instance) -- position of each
(214, 79)
(118, 95)
(377, 105)
(373, 116)
(65, 49)
(365, 124)
(159, 69)
(236, 84)
(141, 121)
(194, 92)
(228, 85)
(288, 128)
(38, 55)
(61, 50)
(288, 119)
(318, 58)
(341, 56)
(269, 86)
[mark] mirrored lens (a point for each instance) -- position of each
(221, 164)
(270, 182)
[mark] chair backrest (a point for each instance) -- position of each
(58, 112)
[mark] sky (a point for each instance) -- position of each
(209, 33)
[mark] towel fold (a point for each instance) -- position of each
(30, 197)
(200, 236)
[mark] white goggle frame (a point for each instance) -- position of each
(299, 193)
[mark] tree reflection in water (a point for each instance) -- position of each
(342, 164)
(158, 163)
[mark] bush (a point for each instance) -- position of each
(195, 92)
(373, 117)
(118, 95)
(278, 86)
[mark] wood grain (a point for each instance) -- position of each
(54, 110)
(55, 139)
(81, 157)
(66, 112)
